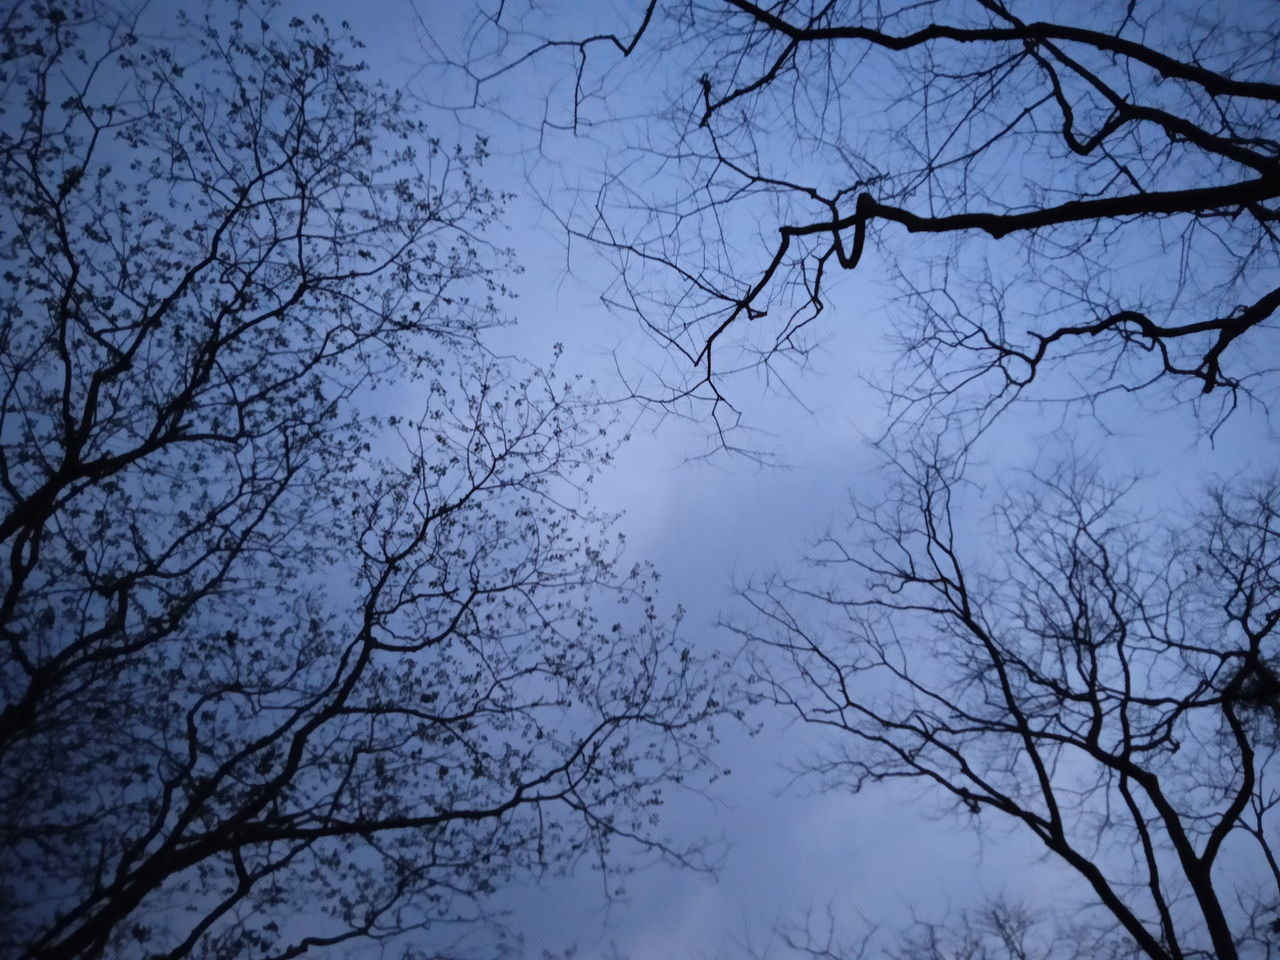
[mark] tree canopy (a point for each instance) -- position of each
(287, 665)
(1090, 189)
(312, 638)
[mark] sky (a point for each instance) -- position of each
(711, 524)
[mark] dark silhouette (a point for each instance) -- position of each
(1065, 664)
(283, 666)
(1096, 194)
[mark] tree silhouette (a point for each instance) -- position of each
(1072, 668)
(284, 666)
(1095, 192)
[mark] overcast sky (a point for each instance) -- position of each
(711, 524)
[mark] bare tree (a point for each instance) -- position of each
(1078, 672)
(1002, 930)
(996, 930)
(1097, 187)
(280, 671)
